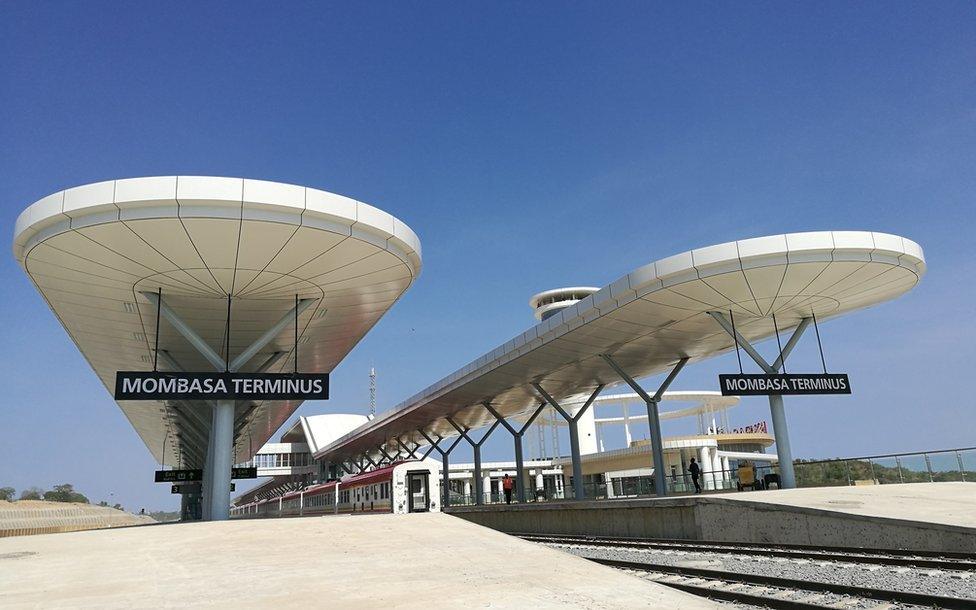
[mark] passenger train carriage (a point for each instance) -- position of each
(403, 487)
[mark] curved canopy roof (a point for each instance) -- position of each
(91, 251)
(708, 401)
(654, 316)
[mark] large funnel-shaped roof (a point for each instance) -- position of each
(91, 251)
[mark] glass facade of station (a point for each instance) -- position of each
(281, 460)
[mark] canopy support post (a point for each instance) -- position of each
(445, 466)
(219, 462)
(572, 421)
(479, 490)
(787, 476)
(517, 435)
(653, 417)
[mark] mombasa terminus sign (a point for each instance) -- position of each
(149, 385)
(784, 383)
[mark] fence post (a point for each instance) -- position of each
(962, 470)
(928, 466)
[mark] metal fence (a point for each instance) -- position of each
(917, 467)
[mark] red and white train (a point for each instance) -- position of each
(403, 487)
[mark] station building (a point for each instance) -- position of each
(241, 280)
(608, 472)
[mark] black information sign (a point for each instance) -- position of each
(192, 488)
(193, 476)
(786, 383)
(186, 488)
(178, 476)
(149, 385)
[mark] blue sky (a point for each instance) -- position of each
(530, 146)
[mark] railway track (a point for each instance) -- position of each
(777, 591)
(885, 557)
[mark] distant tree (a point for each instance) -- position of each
(7, 493)
(165, 516)
(32, 493)
(103, 503)
(118, 506)
(65, 493)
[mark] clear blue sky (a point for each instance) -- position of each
(530, 145)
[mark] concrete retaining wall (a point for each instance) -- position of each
(713, 518)
(29, 517)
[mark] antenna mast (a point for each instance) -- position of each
(372, 392)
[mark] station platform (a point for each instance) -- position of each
(916, 516)
(363, 561)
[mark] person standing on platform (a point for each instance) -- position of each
(695, 471)
(507, 484)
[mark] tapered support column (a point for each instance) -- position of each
(445, 479)
(657, 448)
(479, 484)
(476, 449)
(206, 488)
(517, 435)
(572, 420)
(519, 470)
(222, 438)
(574, 451)
(445, 465)
(787, 476)
(220, 460)
(653, 421)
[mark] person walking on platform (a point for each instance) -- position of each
(695, 471)
(507, 484)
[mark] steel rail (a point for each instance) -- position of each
(881, 595)
(892, 557)
(741, 597)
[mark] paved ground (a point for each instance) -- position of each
(946, 503)
(371, 561)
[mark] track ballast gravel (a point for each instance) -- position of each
(950, 583)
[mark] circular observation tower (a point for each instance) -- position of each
(551, 302)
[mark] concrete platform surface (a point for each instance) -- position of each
(370, 561)
(950, 503)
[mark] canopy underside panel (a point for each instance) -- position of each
(93, 250)
(653, 317)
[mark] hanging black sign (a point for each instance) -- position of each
(192, 488)
(178, 476)
(244, 473)
(785, 383)
(186, 488)
(149, 385)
